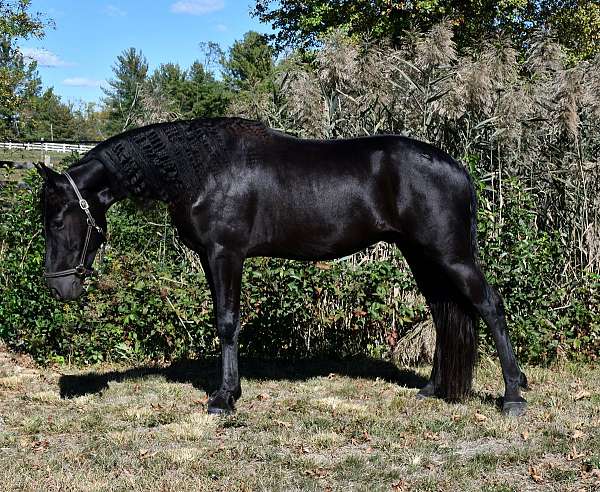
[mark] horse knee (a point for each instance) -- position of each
(227, 332)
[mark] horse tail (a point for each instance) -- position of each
(456, 347)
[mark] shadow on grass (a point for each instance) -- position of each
(204, 373)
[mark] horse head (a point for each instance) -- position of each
(74, 220)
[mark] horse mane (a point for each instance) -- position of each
(167, 161)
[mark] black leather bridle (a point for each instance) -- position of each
(80, 270)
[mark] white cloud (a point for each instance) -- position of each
(82, 82)
(197, 7)
(114, 11)
(221, 28)
(44, 57)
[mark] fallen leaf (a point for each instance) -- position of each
(202, 401)
(577, 435)
(480, 417)
(283, 424)
(263, 396)
(399, 486)
(317, 472)
(525, 435)
(574, 454)
(535, 473)
(581, 394)
(431, 436)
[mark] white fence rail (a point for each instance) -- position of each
(47, 146)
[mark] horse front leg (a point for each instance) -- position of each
(224, 274)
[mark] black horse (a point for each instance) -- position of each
(236, 189)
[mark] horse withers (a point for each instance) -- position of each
(236, 189)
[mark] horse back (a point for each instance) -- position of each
(314, 199)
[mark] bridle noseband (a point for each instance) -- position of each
(80, 270)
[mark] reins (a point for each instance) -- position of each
(80, 270)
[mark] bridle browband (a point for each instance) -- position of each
(80, 270)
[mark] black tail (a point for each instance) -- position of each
(456, 347)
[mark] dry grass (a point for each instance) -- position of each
(298, 427)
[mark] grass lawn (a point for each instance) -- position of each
(299, 426)
(21, 155)
(9, 174)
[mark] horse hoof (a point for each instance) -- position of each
(427, 391)
(221, 403)
(219, 411)
(514, 408)
(423, 395)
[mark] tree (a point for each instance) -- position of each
(250, 62)
(208, 96)
(302, 24)
(19, 81)
(575, 24)
(190, 93)
(122, 97)
(48, 118)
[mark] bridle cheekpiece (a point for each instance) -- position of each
(80, 270)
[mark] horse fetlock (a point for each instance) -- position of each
(523, 383)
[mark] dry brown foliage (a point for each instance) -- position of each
(537, 119)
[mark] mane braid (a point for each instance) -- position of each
(167, 161)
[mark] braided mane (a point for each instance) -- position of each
(167, 161)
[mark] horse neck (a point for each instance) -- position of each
(92, 177)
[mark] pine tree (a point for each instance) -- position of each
(122, 97)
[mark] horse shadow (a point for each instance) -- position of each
(204, 374)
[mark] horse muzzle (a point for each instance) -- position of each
(66, 288)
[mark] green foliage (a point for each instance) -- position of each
(19, 81)
(546, 319)
(250, 62)
(192, 93)
(575, 23)
(122, 97)
(151, 300)
(48, 118)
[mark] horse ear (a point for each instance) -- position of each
(48, 174)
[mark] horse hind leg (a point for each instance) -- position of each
(455, 323)
(471, 282)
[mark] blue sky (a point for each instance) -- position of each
(76, 57)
